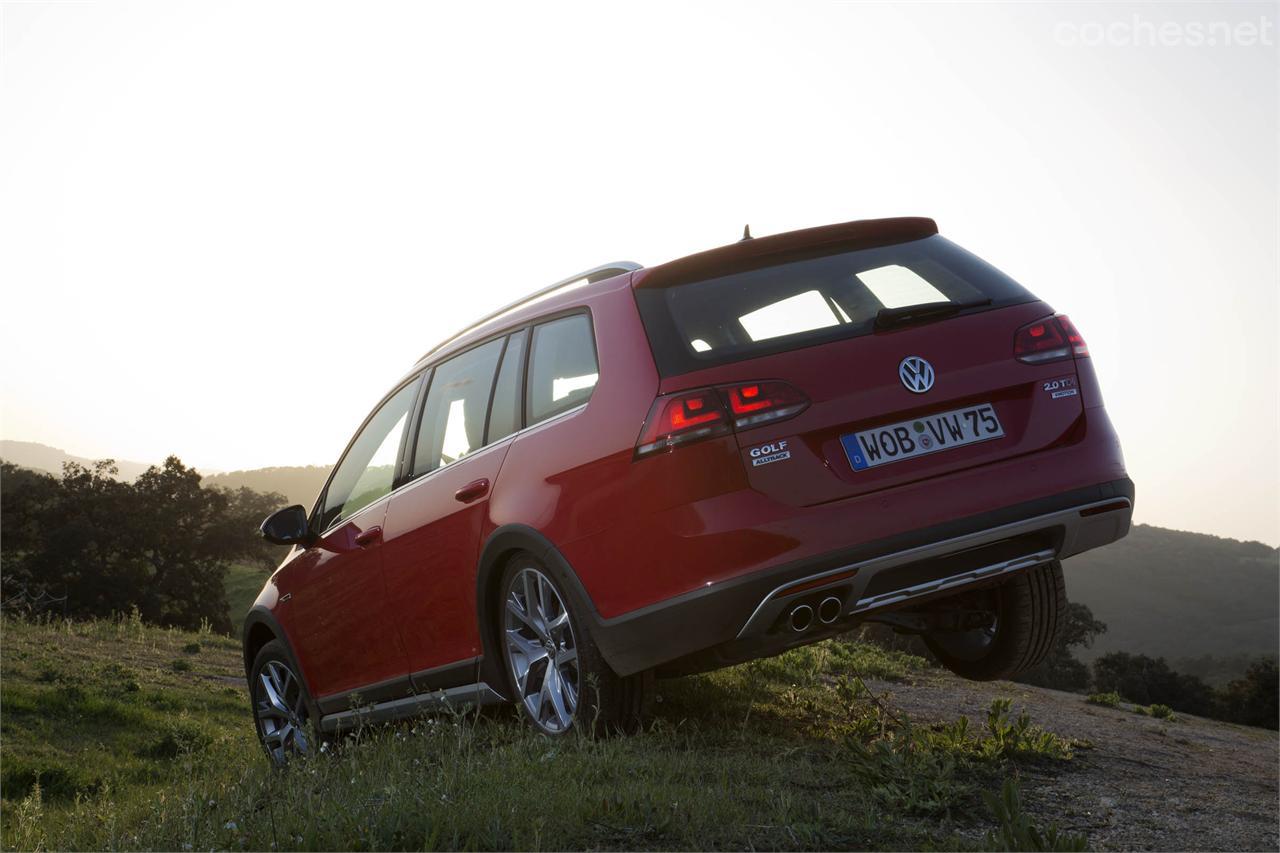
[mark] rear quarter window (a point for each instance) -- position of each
(563, 370)
(812, 301)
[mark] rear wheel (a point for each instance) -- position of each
(557, 675)
(1027, 612)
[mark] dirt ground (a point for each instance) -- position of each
(1143, 783)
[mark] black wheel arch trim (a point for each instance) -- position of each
(259, 616)
(498, 548)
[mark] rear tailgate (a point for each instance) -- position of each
(837, 323)
(854, 385)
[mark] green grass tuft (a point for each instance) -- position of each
(1160, 712)
(1106, 700)
(1018, 832)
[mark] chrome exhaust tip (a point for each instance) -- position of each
(801, 618)
(829, 609)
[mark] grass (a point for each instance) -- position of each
(1160, 712)
(1106, 700)
(107, 746)
(1115, 700)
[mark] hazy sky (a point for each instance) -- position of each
(225, 229)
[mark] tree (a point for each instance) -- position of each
(246, 510)
(1147, 680)
(180, 529)
(1252, 700)
(83, 545)
(161, 543)
(26, 496)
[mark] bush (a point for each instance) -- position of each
(1145, 681)
(1106, 700)
(1252, 700)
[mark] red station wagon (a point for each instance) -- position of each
(661, 471)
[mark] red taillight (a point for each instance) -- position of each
(708, 412)
(681, 419)
(1078, 346)
(758, 403)
(1050, 339)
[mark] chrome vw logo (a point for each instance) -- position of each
(916, 374)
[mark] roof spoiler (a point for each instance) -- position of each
(780, 248)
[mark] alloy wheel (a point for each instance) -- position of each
(542, 651)
(281, 708)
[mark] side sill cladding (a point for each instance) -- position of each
(498, 548)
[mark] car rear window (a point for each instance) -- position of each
(812, 301)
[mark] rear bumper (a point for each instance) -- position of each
(739, 619)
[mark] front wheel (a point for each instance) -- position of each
(1027, 613)
(556, 672)
(281, 705)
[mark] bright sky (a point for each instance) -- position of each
(225, 229)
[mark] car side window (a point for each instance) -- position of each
(454, 413)
(368, 470)
(504, 415)
(562, 367)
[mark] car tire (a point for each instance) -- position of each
(284, 714)
(1030, 612)
(555, 672)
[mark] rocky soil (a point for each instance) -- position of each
(1136, 783)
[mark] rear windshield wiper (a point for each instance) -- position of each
(892, 318)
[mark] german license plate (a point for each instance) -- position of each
(921, 436)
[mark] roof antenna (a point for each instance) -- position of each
(746, 233)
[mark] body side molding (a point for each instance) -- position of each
(469, 695)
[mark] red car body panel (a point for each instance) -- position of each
(337, 623)
(430, 542)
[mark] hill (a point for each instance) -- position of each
(42, 457)
(299, 484)
(1178, 595)
(140, 738)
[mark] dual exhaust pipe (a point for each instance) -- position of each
(802, 615)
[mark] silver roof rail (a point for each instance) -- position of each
(590, 276)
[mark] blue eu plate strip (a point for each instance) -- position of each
(854, 451)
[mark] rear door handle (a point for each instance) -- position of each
(369, 536)
(474, 490)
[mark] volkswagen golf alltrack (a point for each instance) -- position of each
(644, 472)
